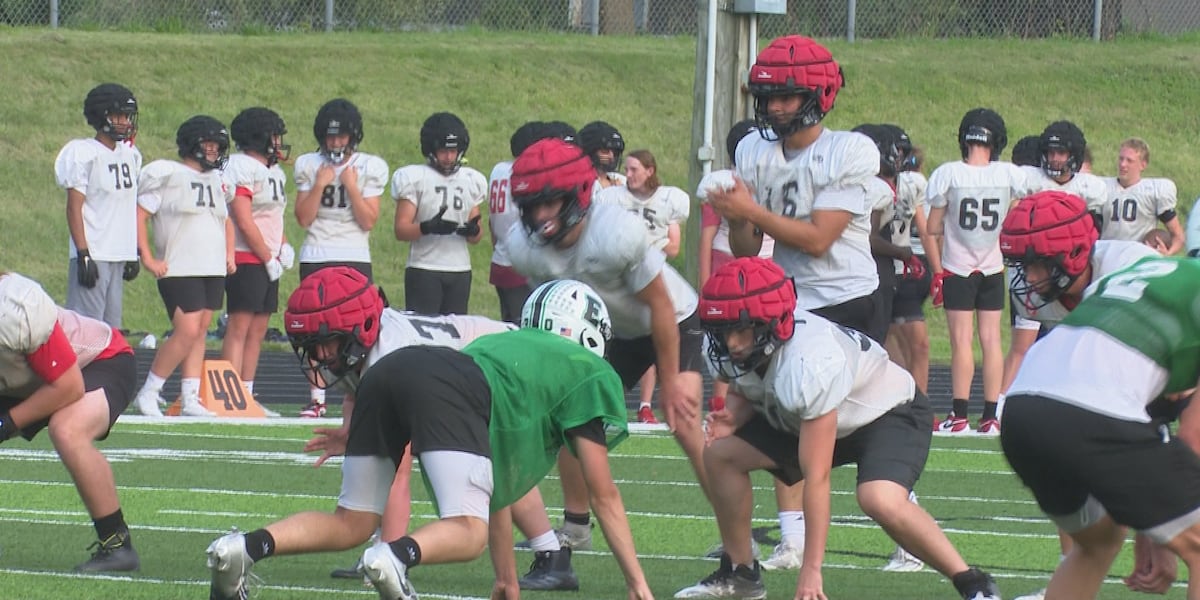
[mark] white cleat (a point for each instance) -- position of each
(387, 573)
(148, 403)
(190, 406)
(785, 556)
(230, 565)
(903, 561)
(1038, 595)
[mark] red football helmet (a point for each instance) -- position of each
(548, 170)
(1054, 230)
(794, 65)
(339, 305)
(747, 292)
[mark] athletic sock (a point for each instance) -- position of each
(960, 408)
(407, 550)
(260, 544)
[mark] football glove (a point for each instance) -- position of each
(87, 272)
(471, 229)
(438, 226)
(914, 268)
(287, 255)
(935, 287)
(132, 268)
(274, 269)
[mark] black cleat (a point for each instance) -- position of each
(113, 554)
(550, 571)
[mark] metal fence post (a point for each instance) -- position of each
(328, 16)
(53, 14)
(595, 16)
(1097, 19)
(851, 9)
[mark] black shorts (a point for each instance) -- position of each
(882, 297)
(632, 358)
(909, 303)
(191, 294)
(436, 292)
(973, 292)
(250, 290)
(1066, 454)
(116, 375)
(434, 397)
(857, 314)
(307, 269)
(893, 447)
(512, 301)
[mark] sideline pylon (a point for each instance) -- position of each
(223, 393)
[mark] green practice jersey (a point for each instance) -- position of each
(542, 385)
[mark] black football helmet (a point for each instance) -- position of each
(107, 99)
(1025, 152)
(597, 136)
(198, 129)
(336, 117)
(254, 129)
(525, 136)
(563, 131)
(739, 130)
(985, 127)
(893, 144)
(444, 131)
(1062, 135)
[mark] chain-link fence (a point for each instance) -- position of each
(852, 19)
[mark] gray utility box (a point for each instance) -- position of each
(766, 7)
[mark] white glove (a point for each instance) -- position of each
(274, 269)
(287, 255)
(721, 180)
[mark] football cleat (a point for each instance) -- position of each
(727, 582)
(953, 425)
(230, 566)
(550, 571)
(148, 403)
(903, 561)
(645, 415)
(190, 406)
(314, 410)
(974, 584)
(387, 573)
(989, 427)
(785, 556)
(112, 554)
(1038, 595)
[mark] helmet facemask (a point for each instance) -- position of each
(342, 365)
(766, 342)
(122, 132)
(569, 215)
(807, 115)
(1046, 290)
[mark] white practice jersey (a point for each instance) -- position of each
(881, 197)
(1193, 229)
(720, 242)
(826, 367)
(667, 205)
(189, 209)
(1085, 185)
(614, 256)
(976, 200)
(108, 180)
(268, 200)
(830, 174)
(502, 211)
(29, 318)
(1107, 256)
(911, 188)
(335, 236)
(1134, 211)
(430, 191)
(401, 329)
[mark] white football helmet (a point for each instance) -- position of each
(571, 309)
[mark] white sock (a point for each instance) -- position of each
(318, 395)
(249, 387)
(547, 542)
(791, 527)
(154, 383)
(189, 387)
(644, 405)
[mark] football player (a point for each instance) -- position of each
(1050, 245)
(908, 337)
(100, 176)
(437, 210)
(74, 375)
(604, 145)
(809, 194)
(338, 306)
(1064, 165)
(1081, 427)
(563, 235)
(807, 395)
(969, 200)
(261, 250)
(664, 209)
(1135, 203)
(337, 201)
(512, 288)
(186, 203)
(1025, 152)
